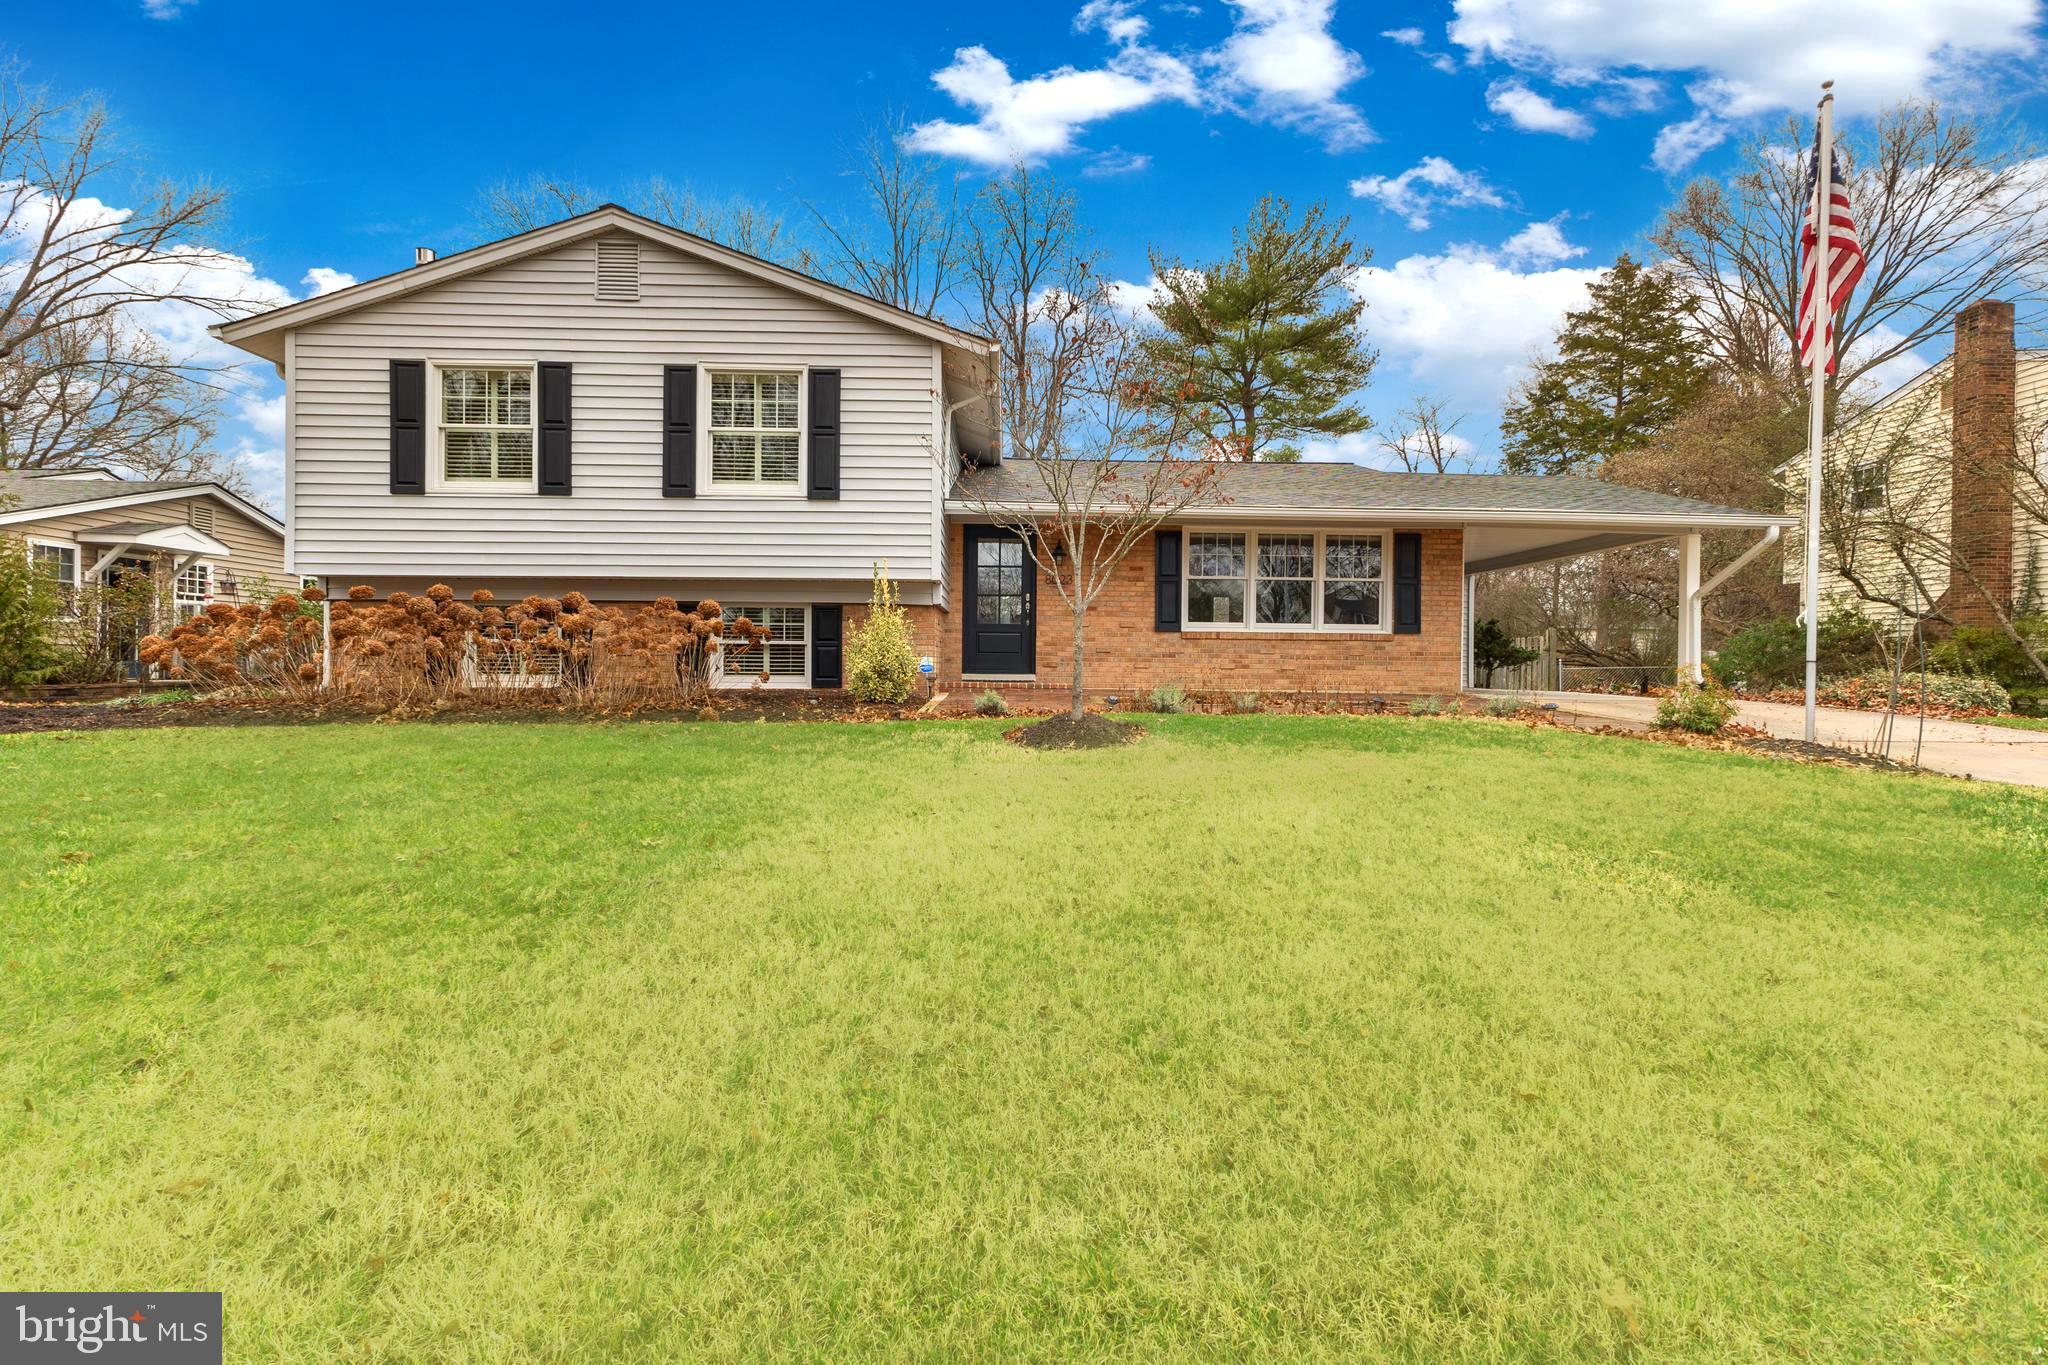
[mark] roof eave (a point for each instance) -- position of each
(255, 334)
(1676, 520)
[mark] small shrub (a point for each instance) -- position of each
(1493, 647)
(991, 703)
(1244, 703)
(1425, 706)
(1169, 700)
(30, 604)
(1771, 654)
(1700, 707)
(881, 662)
(1505, 706)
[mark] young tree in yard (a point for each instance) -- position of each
(904, 248)
(82, 378)
(1494, 648)
(1625, 367)
(1423, 440)
(1269, 337)
(1949, 210)
(1088, 424)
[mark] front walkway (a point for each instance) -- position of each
(1989, 753)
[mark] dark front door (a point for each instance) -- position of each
(1002, 604)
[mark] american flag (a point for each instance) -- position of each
(1844, 264)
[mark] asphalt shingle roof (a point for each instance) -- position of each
(28, 492)
(1316, 487)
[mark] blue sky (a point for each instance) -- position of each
(1492, 153)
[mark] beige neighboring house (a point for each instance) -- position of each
(199, 542)
(1942, 452)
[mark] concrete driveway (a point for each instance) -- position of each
(1989, 753)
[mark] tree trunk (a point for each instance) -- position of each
(1077, 707)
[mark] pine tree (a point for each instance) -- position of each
(1269, 336)
(1626, 366)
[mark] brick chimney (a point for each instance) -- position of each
(1983, 446)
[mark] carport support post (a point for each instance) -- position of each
(1689, 632)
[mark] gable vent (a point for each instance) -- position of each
(618, 269)
(200, 515)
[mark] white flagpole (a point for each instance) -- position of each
(1823, 324)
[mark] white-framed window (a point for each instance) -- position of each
(785, 656)
(1286, 580)
(1866, 486)
(57, 561)
(192, 589)
(754, 421)
(483, 427)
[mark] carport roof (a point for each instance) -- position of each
(1354, 491)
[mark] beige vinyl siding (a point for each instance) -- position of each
(347, 525)
(258, 551)
(1914, 422)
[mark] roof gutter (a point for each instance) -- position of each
(1730, 519)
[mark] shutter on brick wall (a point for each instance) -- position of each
(408, 426)
(824, 435)
(679, 431)
(826, 634)
(1166, 581)
(1407, 583)
(556, 388)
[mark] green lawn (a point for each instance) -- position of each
(2017, 722)
(1285, 1038)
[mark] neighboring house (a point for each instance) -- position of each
(1971, 422)
(199, 542)
(611, 405)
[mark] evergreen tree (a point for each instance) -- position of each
(1268, 338)
(1626, 366)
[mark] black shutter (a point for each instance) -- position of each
(824, 434)
(555, 390)
(408, 426)
(1166, 584)
(826, 670)
(679, 431)
(1407, 583)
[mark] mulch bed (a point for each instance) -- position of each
(1093, 731)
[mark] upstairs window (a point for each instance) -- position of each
(754, 430)
(486, 423)
(1866, 486)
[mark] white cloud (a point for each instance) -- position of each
(1534, 113)
(1039, 117)
(1467, 323)
(1406, 37)
(1680, 144)
(1132, 299)
(1285, 59)
(165, 9)
(1749, 57)
(323, 280)
(1430, 184)
(1540, 244)
(1280, 65)
(264, 416)
(1116, 161)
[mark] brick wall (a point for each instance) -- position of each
(1984, 448)
(1126, 653)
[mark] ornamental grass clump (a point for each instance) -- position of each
(881, 662)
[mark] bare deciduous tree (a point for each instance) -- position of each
(1094, 472)
(904, 246)
(82, 378)
(1422, 439)
(515, 206)
(1948, 211)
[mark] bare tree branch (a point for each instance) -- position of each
(904, 248)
